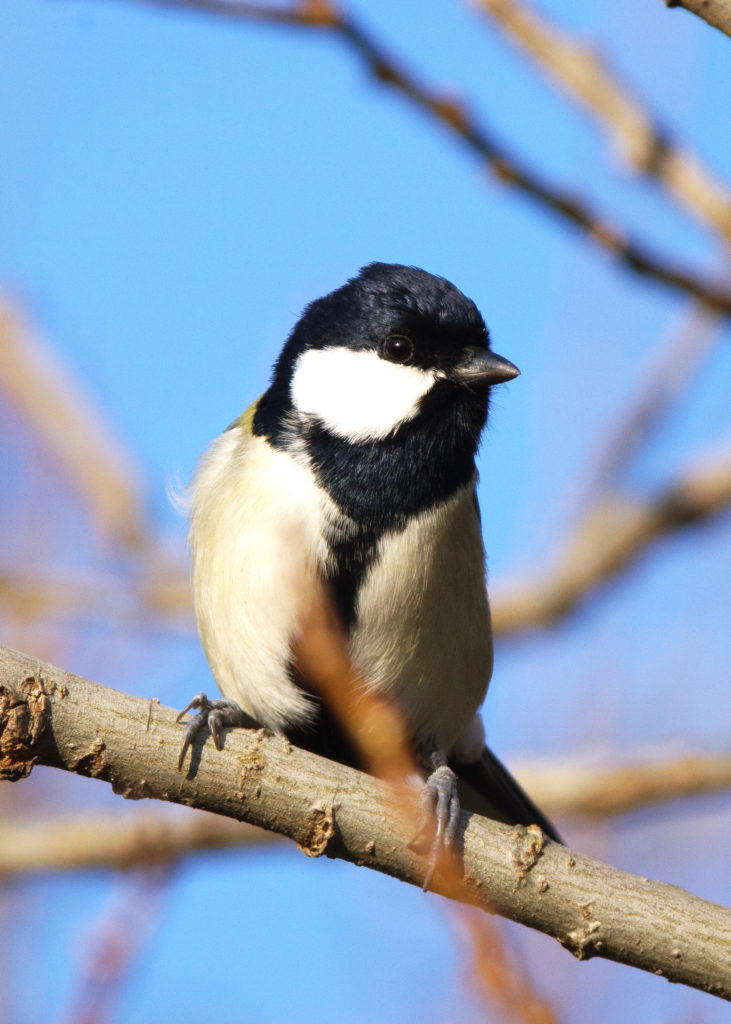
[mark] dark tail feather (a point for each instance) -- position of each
(487, 787)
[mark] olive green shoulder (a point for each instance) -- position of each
(246, 419)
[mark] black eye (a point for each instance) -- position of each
(398, 349)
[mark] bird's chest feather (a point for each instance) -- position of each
(421, 630)
(406, 566)
(410, 588)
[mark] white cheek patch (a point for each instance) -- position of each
(356, 394)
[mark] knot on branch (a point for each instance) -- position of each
(23, 719)
(585, 941)
(528, 844)
(320, 830)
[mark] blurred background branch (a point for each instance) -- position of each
(453, 114)
(582, 71)
(613, 534)
(60, 412)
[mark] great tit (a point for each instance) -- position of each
(356, 470)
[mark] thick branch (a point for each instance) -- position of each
(715, 12)
(457, 119)
(51, 717)
(101, 840)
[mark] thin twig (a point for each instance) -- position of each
(648, 148)
(459, 121)
(715, 12)
(118, 842)
(612, 537)
(56, 408)
(52, 717)
(377, 731)
(671, 374)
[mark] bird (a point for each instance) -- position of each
(354, 475)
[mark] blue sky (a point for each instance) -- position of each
(175, 189)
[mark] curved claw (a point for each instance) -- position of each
(216, 714)
(440, 807)
(199, 701)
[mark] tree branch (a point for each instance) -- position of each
(96, 464)
(602, 791)
(49, 716)
(671, 374)
(715, 12)
(118, 842)
(456, 118)
(613, 535)
(646, 146)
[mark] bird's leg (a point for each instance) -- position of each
(440, 812)
(217, 715)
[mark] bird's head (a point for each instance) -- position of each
(391, 345)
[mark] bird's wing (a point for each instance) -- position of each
(486, 787)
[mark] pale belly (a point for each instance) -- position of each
(422, 632)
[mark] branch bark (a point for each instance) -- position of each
(715, 12)
(103, 841)
(49, 716)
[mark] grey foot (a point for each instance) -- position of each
(217, 715)
(440, 814)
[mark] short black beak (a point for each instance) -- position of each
(481, 366)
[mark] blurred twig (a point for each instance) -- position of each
(574, 789)
(496, 974)
(377, 730)
(113, 944)
(71, 429)
(601, 791)
(583, 72)
(670, 375)
(128, 601)
(94, 841)
(454, 115)
(715, 12)
(611, 537)
(50, 716)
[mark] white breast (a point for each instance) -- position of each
(422, 632)
(423, 629)
(255, 537)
